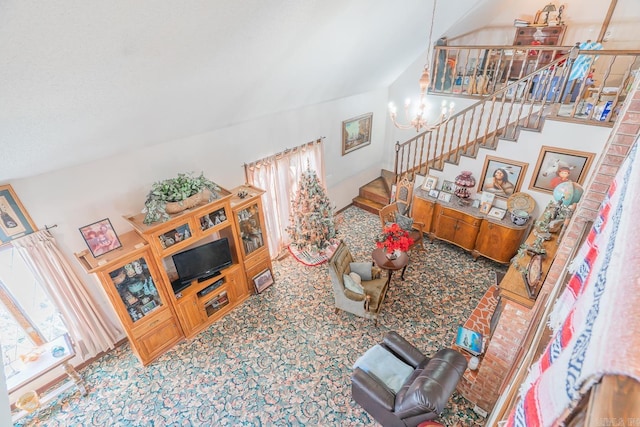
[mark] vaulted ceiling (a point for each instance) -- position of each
(81, 80)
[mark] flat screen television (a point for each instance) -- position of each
(201, 262)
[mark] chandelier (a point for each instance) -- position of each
(419, 120)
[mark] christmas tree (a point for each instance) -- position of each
(312, 226)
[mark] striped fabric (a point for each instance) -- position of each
(598, 331)
(582, 65)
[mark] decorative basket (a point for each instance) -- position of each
(197, 199)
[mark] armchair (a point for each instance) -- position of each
(421, 397)
(368, 301)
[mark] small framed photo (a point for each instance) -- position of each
(475, 203)
(448, 186)
(429, 183)
(356, 133)
(148, 307)
(445, 197)
(486, 201)
(16, 222)
(434, 193)
(263, 280)
(496, 213)
(100, 237)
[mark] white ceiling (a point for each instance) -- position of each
(81, 80)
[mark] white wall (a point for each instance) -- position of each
(117, 186)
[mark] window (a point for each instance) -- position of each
(27, 314)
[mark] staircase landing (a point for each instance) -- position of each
(375, 195)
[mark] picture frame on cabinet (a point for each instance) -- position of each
(15, 221)
(557, 165)
(263, 280)
(475, 203)
(434, 193)
(356, 133)
(486, 201)
(100, 237)
(430, 183)
(502, 177)
(448, 186)
(444, 196)
(497, 213)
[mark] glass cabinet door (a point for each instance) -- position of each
(136, 288)
(250, 228)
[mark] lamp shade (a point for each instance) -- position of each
(568, 193)
(465, 179)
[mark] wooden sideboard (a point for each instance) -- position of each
(467, 228)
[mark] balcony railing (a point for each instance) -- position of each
(516, 87)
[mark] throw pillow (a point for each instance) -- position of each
(351, 284)
(356, 278)
(382, 364)
(362, 269)
(404, 222)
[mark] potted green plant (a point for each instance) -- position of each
(182, 192)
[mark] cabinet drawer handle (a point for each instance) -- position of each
(154, 323)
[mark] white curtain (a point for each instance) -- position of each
(279, 176)
(91, 330)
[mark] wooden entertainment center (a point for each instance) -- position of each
(140, 277)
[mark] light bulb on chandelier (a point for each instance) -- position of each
(419, 119)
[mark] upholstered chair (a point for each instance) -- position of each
(399, 386)
(357, 286)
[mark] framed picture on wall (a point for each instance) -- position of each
(557, 165)
(14, 220)
(356, 133)
(501, 177)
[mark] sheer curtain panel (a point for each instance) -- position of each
(91, 330)
(279, 176)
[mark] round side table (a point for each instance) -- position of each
(390, 265)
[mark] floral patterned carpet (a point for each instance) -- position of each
(283, 358)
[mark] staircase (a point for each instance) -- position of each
(518, 105)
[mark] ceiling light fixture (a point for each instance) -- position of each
(418, 120)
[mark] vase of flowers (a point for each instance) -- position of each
(394, 240)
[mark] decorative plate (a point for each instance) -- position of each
(521, 201)
(533, 275)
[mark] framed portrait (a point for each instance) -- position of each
(356, 133)
(263, 280)
(429, 183)
(100, 237)
(448, 186)
(434, 193)
(557, 165)
(501, 177)
(444, 196)
(14, 220)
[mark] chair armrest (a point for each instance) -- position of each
(419, 226)
(403, 349)
(354, 296)
(364, 386)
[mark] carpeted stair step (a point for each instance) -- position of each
(376, 191)
(367, 205)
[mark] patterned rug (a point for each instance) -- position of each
(284, 357)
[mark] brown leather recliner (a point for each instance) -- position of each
(423, 395)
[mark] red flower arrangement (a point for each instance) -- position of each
(393, 237)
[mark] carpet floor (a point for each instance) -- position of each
(283, 358)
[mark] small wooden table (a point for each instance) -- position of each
(380, 258)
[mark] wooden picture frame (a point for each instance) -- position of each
(430, 182)
(552, 161)
(263, 280)
(100, 237)
(356, 133)
(448, 186)
(512, 176)
(15, 221)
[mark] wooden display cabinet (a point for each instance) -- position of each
(422, 210)
(196, 304)
(249, 216)
(455, 226)
(498, 241)
(138, 293)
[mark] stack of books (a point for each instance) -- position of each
(521, 23)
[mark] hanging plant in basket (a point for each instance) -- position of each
(177, 194)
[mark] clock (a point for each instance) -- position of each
(533, 275)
